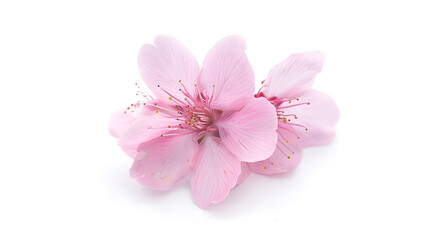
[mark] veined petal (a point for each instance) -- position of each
(146, 127)
(226, 73)
(250, 133)
(294, 75)
(165, 64)
(164, 161)
(214, 172)
(319, 118)
(287, 155)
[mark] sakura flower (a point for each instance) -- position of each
(305, 116)
(203, 123)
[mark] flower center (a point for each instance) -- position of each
(284, 109)
(192, 113)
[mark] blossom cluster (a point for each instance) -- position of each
(208, 123)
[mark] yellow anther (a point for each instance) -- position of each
(180, 80)
(157, 111)
(298, 137)
(170, 98)
(287, 141)
(306, 129)
(213, 85)
(195, 85)
(186, 99)
(284, 120)
(265, 167)
(169, 126)
(288, 157)
(297, 99)
(296, 117)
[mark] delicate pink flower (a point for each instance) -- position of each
(305, 116)
(202, 123)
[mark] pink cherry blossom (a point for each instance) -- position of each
(305, 116)
(203, 123)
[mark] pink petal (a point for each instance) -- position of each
(165, 64)
(164, 161)
(294, 75)
(250, 133)
(146, 127)
(226, 67)
(214, 172)
(245, 172)
(120, 122)
(286, 156)
(319, 118)
(130, 150)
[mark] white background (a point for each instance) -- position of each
(65, 66)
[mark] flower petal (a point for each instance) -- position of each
(120, 122)
(286, 156)
(214, 172)
(227, 68)
(165, 64)
(294, 75)
(146, 127)
(250, 133)
(245, 172)
(164, 161)
(319, 118)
